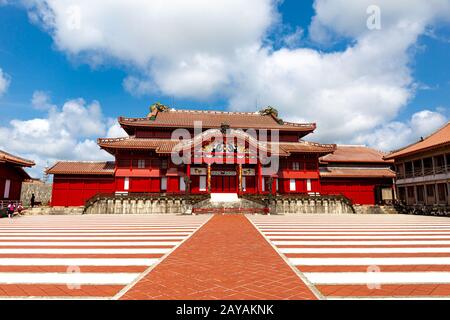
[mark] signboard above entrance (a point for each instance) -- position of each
(223, 173)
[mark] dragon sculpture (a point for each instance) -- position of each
(155, 108)
(271, 111)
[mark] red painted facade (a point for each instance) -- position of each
(12, 175)
(74, 191)
(15, 178)
(359, 191)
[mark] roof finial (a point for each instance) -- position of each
(271, 111)
(155, 108)
(224, 127)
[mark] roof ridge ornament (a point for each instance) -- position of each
(271, 111)
(155, 108)
(224, 127)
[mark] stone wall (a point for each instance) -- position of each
(46, 210)
(179, 205)
(42, 192)
(309, 205)
(139, 206)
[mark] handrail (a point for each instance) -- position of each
(427, 171)
(265, 199)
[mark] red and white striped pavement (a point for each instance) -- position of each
(365, 256)
(92, 256)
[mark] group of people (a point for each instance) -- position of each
(12, 207)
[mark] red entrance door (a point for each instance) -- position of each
(224, 184)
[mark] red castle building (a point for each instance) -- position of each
(221, 152)
(12, 175)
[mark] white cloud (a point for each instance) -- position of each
(344, 92)
(293, 39)
(395, 135)
(350, 92)
(426, 121)
(139, 87)
(66, 133)
(349, 18)
(140, 30)
(181, 46)
(115, 131)
(41, 100)
(4, 82)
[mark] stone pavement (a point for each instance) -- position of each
(366, 256)
(89, 256)
(225, 259)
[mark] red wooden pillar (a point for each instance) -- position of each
(188, 174)
(239, 171)
(259, 177)
(208, 178)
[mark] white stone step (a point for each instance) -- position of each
(224, 197)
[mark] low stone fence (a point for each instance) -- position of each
(46, 210)
(185, 204)
(292, 206)
(140, 206)
(300, 204)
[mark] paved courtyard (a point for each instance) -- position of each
(366, 256)
(225, 257)
(84, 256)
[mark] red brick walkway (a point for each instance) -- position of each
(226, 259)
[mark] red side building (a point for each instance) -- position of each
(359, 173)
(12, 174)
(200, 152)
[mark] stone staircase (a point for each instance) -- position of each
(226, 203)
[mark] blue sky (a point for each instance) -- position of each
(36, 55)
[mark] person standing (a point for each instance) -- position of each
(11, 209)
(33, 200)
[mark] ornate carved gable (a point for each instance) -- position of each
(213, 140)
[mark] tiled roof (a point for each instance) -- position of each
(214, 119)
(159, 145)
(305, 146)
(437, 139)
(85, 168)
(7, 157)
(354, 154)
(167, 145)
(356, 173)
